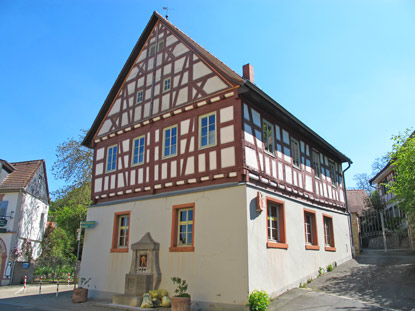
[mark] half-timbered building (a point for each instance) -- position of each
(240, 194)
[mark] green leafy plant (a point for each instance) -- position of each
(258, 300)
(309, 280)
(303, 285)
(321, 271)
(181, 290)
(329, 268)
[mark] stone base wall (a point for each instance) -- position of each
(393, 241)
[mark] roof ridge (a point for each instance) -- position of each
(197, 44)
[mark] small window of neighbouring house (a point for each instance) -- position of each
(310, 230)
(182, 238)
(295, 152)
(276, 224)
(268, 136)
(207, 130)
(3, 208)
(166, 85)
(121, 231)
(112, 158)
(170, 141)
(328, 233)
(316, 164)
(138, 150)
(139, 97)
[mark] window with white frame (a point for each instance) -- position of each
(138, 150)
(166, 84)
(185, 227)
(170, 141)
(310, 230)
(268, 136)
(316, 164)
(207, 130)
(121, 231)
(295, 152)
(139, 97)
(112, 158)
(328, 233)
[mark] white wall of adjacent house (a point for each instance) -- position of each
(277, 270)
(32, 224)
(217, 269)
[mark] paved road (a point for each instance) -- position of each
(374, 281)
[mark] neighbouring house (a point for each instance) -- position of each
(357, 203)
(392, 211)
(24, 206)
(235, 192)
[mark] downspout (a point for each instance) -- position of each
(348, 211)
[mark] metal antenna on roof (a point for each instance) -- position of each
(167, 11)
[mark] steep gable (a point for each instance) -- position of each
(169, 71)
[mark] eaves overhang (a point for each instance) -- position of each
(251, 92)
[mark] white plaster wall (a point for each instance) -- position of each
(217, 270)
(277, 270)
(29, 224)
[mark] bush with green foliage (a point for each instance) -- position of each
(258, 300)
(181, 290)
(329, 268)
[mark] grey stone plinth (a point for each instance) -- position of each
(127, 300)
(138, 284)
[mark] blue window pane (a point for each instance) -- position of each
(167, 134)
(141, 158)
(173, 140)
(211, 119)
(190, 217)
(189, 228)
(204, 141)
(167, 151)
(182, 238)
(211, 138)
(183, 215)
(189, 238)
(204, 131)
(167, 142)
(204, 122)
(211, 127)
(135, 159)
(173, 149)
(182, 228)
(174, 131)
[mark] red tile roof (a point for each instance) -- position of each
(356, 201)
(22, 176)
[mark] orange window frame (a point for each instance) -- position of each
(174, 247)
(331, 245)
(314, 245)
(115, 232)
(281, 224)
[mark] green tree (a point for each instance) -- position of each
(74, 166)
(402, 159)
(375, 201)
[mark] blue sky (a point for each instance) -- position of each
(344, 68)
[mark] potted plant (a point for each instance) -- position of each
(181, 301)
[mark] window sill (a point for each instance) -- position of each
(182, 249)
(277, 245)
(330, 249)
(271, 154)
(312, 247)
(297, 167)
(119, 250)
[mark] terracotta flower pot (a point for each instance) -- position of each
(180, 303)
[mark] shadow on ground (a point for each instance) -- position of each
(387, 280)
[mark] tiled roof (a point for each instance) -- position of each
(22, 176)
(356, 201)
